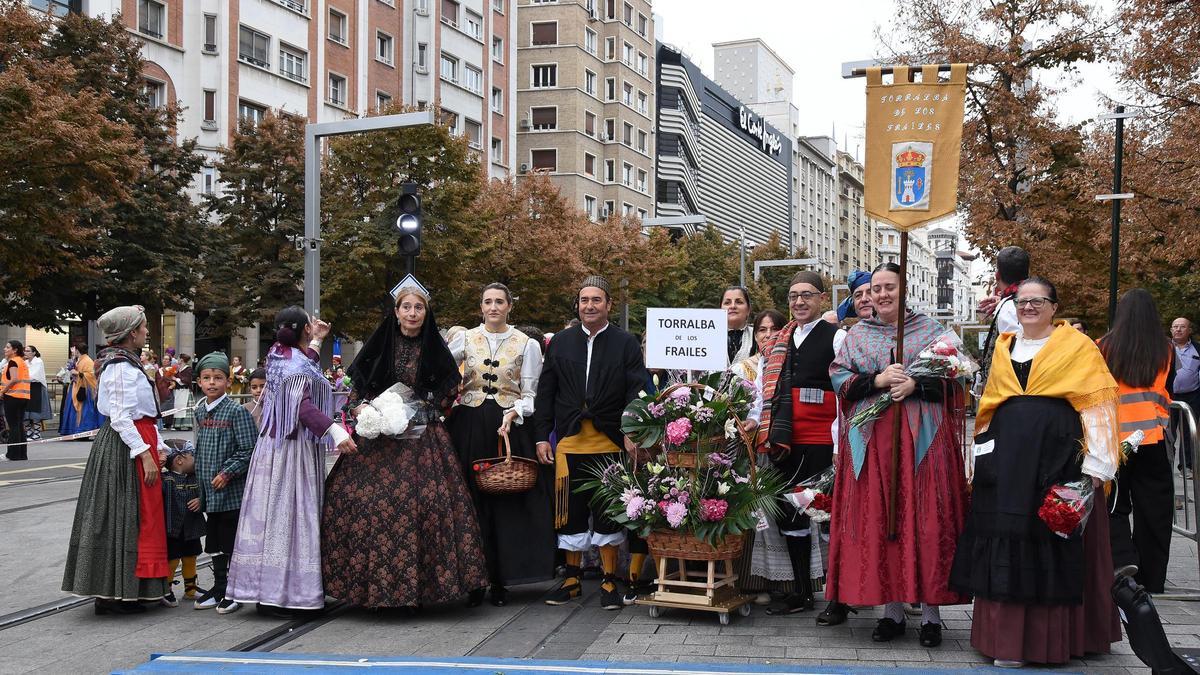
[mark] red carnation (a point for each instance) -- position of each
(822, 502)
(1061, 517)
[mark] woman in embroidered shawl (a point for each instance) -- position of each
(398, 527)
(865, 566)
(80, 413)
(118, 546)
(276, 558)
(1048, 416)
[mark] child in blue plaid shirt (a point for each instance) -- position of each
(225, 437)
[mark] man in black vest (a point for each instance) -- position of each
(799, 416)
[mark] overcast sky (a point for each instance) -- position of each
(815, 38)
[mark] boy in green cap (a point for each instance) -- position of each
(225, 437)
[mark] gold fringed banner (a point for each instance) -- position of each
(914, 134)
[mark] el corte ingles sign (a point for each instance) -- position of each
(757, 128)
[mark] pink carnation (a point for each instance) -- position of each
(678, 431)
(713, 509)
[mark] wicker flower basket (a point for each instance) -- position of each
(690, 457)
(686, 546)
(507, 474)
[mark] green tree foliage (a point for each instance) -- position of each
(255, 269)
(360, 187)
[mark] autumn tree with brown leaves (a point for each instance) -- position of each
(62, 158)
(1159, 74)
(1022, 174)
(540, 245)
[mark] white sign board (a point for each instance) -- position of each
(687, 339)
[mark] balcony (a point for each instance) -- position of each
(294, 5)
(254, 61)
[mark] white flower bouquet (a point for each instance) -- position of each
(389, 414)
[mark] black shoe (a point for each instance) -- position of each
(273, 611)
(498, 595)
(610, 599)
(790, 604)
(887, 629)
(835, 614)
(634, 590)
(117, 607)
(569, 590)
(931, 634)
(475, 597)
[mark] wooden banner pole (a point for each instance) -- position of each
(894, 492)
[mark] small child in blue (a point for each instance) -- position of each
(185, 522)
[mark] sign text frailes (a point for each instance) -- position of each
(757, 128)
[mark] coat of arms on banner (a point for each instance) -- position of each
(912, 169)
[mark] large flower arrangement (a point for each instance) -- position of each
(719, 498)
(690, 414)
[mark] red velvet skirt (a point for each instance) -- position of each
(1056, 633)
(865, 567)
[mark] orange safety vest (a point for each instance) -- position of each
(20, 387)
(1145, 408)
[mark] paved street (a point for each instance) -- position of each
(37, 500)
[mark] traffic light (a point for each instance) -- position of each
(409, 220)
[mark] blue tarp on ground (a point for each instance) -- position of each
(236, 662)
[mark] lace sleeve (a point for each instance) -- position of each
(1100, 436)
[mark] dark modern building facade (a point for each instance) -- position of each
(717, 158)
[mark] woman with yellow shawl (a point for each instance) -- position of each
(1048, 416)
(79, 413)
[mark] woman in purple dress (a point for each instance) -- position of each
(277, 555)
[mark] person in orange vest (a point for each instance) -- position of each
(14, 387)
(1141, 359)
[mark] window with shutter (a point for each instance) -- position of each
(544, 119)
(544, 159)
(545, 33)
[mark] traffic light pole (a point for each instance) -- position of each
(313, 133)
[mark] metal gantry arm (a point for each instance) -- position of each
(313, 133)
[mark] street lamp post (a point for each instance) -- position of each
(1116, 197)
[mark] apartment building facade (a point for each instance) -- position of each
(856, 241)
(922, 291)
(223, 61)
(586, 101)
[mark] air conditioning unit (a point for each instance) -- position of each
(603, 212)
(524, 126)
(524, 168)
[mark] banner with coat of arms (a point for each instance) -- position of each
(913, 137)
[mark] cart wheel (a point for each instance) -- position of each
(744, 610)
(655, 611)
(724, 617)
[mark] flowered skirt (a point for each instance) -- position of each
(398, 527)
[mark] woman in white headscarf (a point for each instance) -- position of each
(118, 546)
